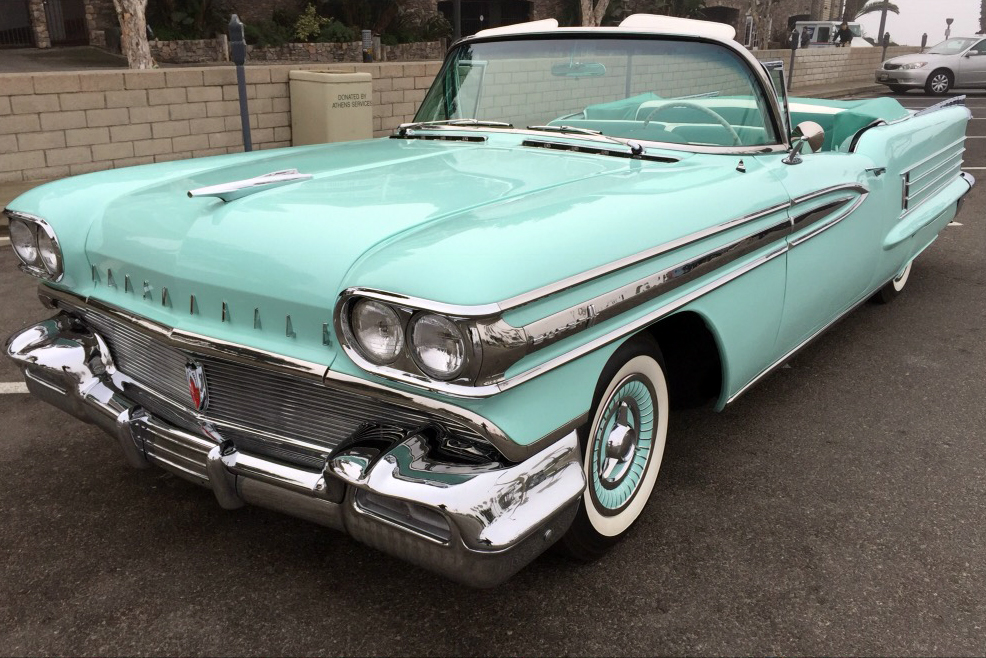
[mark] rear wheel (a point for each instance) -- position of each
(939, 82)
(889, 292)
(623, 445)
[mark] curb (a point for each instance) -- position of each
(831, 92)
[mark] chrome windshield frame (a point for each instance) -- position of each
(753, 65)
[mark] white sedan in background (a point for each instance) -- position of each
(955, 62)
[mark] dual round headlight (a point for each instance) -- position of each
(434, 342)
(36, 246)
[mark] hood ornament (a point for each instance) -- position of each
(241, 188)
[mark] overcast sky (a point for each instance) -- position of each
(920, 16)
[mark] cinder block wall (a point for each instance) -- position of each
(59, 124)
(819, 66)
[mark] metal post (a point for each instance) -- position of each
(456, 20)
(795, 42)
(237, 51)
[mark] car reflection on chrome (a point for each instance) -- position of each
(956, 62)
(460, 344)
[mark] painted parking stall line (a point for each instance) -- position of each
(4, 240)
(12, 388)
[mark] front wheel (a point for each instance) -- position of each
(939, 82)
(623, 445)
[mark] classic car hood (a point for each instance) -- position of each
(457, 222)
(282, 252)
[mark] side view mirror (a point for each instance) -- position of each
(806, 132)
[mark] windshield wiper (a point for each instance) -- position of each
(635, 147)
(479, 123)
(570, 129)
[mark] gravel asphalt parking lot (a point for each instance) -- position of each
(837, 508)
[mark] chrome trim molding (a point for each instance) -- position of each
(500, 345)
(948, 102)
(952, 170)
(848, 206)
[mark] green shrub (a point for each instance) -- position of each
(309, 24)
(266, 33)
(336, 32)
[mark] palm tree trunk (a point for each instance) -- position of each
(133, 33)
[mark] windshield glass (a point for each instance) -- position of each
(951, 46)
(650, 89)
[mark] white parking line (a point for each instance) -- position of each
(4, 240)
(12, 387)
(974, 168)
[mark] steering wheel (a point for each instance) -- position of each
(701, 108)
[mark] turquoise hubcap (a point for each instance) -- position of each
(621, 446)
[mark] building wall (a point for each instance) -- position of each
(60, 124)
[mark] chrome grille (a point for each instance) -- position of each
(143, 358)
(285, 417)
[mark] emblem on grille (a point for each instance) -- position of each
(196, 385)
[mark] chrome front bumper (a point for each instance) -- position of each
(476, 524)
(903, 77)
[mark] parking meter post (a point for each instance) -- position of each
(795, 40)
(237, 51)
(367, 45)
(456, 20)
(886, 43)
(924, 41)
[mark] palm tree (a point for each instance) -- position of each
(874, 6)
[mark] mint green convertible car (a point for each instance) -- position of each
(460, 344)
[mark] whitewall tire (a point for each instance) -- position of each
(894, 287)
(623, 446)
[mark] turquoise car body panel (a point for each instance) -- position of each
(477, 223)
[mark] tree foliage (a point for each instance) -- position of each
(876, 6)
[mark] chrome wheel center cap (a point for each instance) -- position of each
(621, 445)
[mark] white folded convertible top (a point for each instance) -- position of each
(634, 23)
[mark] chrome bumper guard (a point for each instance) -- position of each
(970, 180)
(476, 524)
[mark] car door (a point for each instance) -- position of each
(971, 69)
(835, 240)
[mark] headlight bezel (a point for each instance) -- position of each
(911, 66)
(406, 366)
(38, 266)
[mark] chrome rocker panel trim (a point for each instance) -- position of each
(484, 522)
